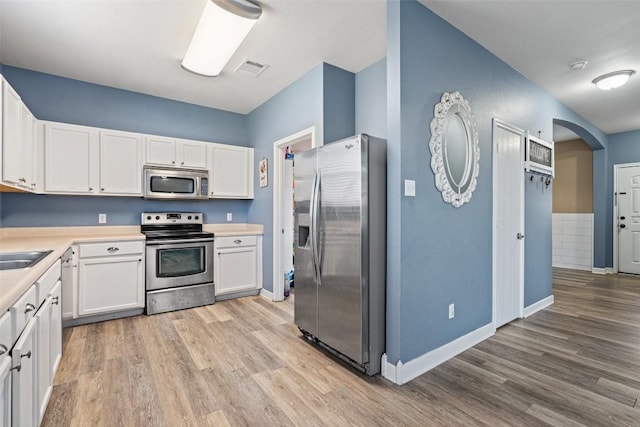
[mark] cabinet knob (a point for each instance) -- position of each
(22, 180)
(29, 307)
(140, 260)
(19, 366)
(102, 189)
(90, 188)
(55, 301)
(113, 249)
(237, 241)
(3, 349)
(173, 162)
(182, 163)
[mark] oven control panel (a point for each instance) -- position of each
(172, 218)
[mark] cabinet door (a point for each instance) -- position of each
(44, 380)
(193, 154)
(231, 172)
(24, 378)
(236, 269)
(120, 163)
(69, 275)
(27, 163)
(71, 158)
(5, 391)
(160, 151)
(55, 339)
(110, 284)
(12, 135)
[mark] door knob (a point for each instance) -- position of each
(519, 236)
(622, 226)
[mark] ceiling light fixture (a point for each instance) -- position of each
(613, 80)
(223, 26)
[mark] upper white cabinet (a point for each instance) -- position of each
(230, 171)
(18, 141)
(71, 158)
(120, 163)
(160, 151)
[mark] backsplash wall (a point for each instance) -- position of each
(36, 210)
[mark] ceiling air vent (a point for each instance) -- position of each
(251, 67)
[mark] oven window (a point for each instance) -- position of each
(169, 184)
(181, 261)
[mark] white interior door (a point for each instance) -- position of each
(508, 222)
(628, 199)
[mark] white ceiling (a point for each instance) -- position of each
(138, 45)
(541, 38)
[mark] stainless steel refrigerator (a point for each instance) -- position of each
(340, 254)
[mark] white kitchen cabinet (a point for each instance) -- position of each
(55, 339)
(24, 378)
(120, 163)
(110, 277)
(230, 171)
(70, 283)
(161, 151)
(43, 361)
(71, 159)
(18, 140)
(237, 264)
(5, 390)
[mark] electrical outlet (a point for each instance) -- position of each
(229, 216)
(452, 311)
(102, 218)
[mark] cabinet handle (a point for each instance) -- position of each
(33, 184)
(113, 249)
(237, 241)
(173, 162)
(102, 189)
(3, 349)
(140, 260)
(19, 367)
(29, 307)
(22, 180)
(182, 163)
(55, 301)
(90, 188)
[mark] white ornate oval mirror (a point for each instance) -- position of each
(455, 152)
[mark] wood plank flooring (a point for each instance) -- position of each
(243, 363)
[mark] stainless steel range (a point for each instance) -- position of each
(179, 263)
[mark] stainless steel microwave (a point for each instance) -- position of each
(175, 184)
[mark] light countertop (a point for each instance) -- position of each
(13, 283)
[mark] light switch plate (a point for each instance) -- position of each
(409, 187)
(229, 216)
(102, 218)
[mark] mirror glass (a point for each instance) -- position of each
(454, 149)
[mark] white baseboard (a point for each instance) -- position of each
(401, 373)
(266, 294)
(537, 306)
(598, 270)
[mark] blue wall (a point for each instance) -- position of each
(438, 254)
(301, 105)
(60, 99)
(371, 100)
(623, 148)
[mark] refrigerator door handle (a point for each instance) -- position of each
(318, 228)
(312, 235)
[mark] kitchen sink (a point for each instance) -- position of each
(14, 260)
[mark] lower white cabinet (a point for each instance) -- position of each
(55, 339)
(110, 277)
(24, 378)
(49, 331)
(237, 264)
(5, 390)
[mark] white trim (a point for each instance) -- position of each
(614, 224)
(606, 270)
(537, 306)
(278, 166)
(266, 294)
(402, 373)
(495, 124)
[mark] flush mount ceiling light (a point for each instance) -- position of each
(613, 80)
(223, 26)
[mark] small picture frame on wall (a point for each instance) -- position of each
(539, 156)
(263, 173)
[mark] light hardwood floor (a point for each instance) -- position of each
(243, 362)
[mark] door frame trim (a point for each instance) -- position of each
(614, 222)
(497, 123)
(278, 176)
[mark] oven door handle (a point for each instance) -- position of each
(172, 241)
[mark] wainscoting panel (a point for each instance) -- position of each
(573, 240)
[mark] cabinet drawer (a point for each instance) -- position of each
(231, 241)
(23, 310)
(6, 336)
(111, 248)
(46, 282)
